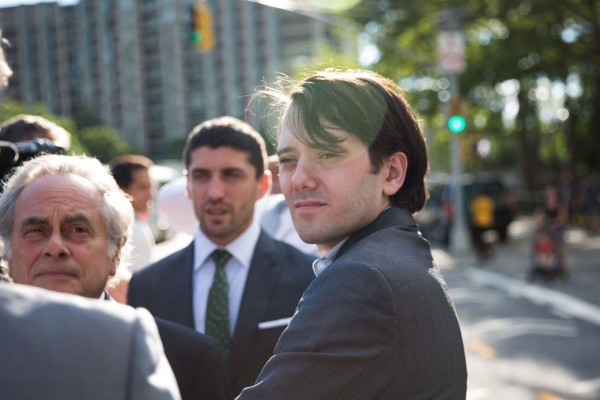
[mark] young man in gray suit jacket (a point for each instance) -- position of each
(261, 280)
(377, 322)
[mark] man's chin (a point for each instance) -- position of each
(62, 284)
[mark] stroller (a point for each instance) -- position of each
(548, 261)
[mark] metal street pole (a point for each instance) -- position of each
(458, 239)
(452, 62)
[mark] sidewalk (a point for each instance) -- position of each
(513, 259)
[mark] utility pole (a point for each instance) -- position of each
(452, 62)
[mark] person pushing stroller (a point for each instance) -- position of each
(549, 247)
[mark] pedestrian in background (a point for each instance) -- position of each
(377, 322)
(132, 174)
(552, 218)
(233, 282)
(25, 127)
(481, 210)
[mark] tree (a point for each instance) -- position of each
(520, 41)
(104, 143)
(10, 108)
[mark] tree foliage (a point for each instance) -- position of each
(548, 52)
(105, 142)
(10, 108)
(88, 135)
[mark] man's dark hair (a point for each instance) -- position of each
(372, 108)
(122, 168)
(228, 132)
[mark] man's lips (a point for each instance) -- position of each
(55, 274)
(216, 209)
(216, 212)
(308, 204)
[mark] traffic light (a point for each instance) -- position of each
(202, 30)
(456, 122)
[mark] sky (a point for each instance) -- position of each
(12, 3)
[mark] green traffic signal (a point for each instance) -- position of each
(457, 123)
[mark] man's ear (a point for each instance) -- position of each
(394, 173)
(187, 190)
(114, 262)
(266, 183)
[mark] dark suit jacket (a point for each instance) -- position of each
(378, 323)
(278, 276)
(195, 360)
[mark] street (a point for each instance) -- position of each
(528, 341)
(523, 341)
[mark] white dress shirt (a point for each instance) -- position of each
(143, 245)
(325, 261)
(242, 250)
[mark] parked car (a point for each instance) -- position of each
(435, 220)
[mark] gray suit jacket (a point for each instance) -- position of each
(278, 276)
(58, 346)
(378, 323)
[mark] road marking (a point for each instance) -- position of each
(560, 302)
(508, 328)
(477, 394)
(482, 349)
(587, 387)
(468, 295)
(544, 395)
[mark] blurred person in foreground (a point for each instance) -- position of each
(378, 321)
(58, 346)
(64, 224)
(5, 74)
(233, 282)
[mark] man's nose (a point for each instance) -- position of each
(303, 177)
(56, 246)
(216, 189)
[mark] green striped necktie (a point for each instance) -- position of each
(217, 309)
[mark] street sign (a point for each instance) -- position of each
(451, 52)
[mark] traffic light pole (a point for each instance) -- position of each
(458, 239)
(452, 62)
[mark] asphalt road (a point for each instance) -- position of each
(528, 341)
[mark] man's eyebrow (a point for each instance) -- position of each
(34, 220)
(284, 150)
(76, 218)
(196, 170)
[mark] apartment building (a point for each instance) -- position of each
(132, 64)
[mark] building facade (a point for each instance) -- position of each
(132, 64)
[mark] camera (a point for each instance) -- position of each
(14, 154)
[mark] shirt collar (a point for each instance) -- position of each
(325, 261)
(242, 248)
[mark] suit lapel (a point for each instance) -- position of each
(262, 279)
(178, 287)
